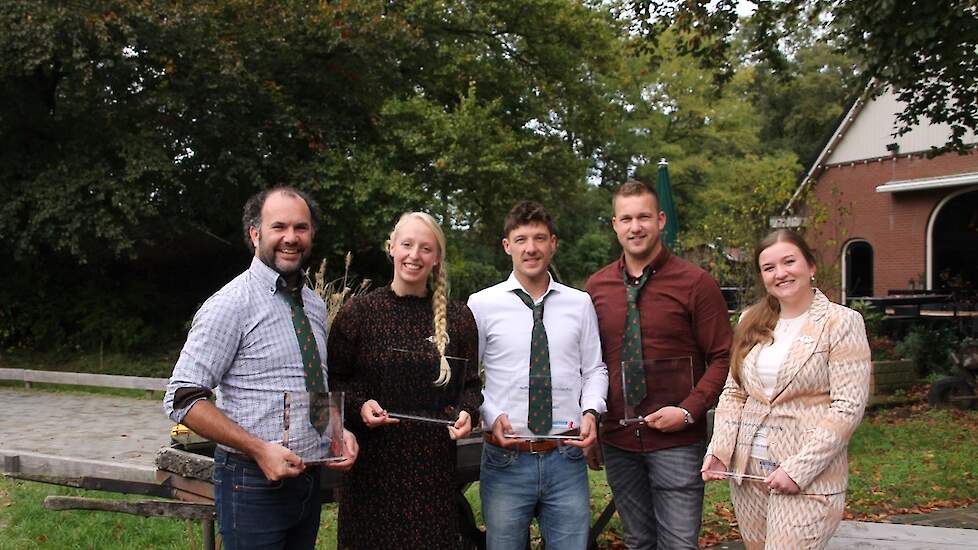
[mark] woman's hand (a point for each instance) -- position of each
(712, 465)
(350, 451)
(373, 415)
(462, 426)
(780, 481)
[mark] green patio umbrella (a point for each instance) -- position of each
(664, 188)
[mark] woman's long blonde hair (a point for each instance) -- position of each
(757, 324)
(438, 281)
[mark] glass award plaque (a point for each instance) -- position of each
(650, 384)
(725, 473)
(312, 426)
(428, 402)
(565, 409)
(766, 467)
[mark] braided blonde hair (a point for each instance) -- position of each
(439, 290)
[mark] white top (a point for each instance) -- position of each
(768, 366)
(579, 376)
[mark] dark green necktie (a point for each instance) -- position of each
(311, 363)
(539, 413)
(631, 342)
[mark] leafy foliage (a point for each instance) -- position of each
(135, 131)
(930, 349)
(924, 50)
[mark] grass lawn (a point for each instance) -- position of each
(902, 460)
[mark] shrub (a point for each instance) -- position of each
(930, 348)
(881, 346)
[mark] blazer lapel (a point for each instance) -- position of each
(804, 345)
(751, 380)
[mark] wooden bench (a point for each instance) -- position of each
(28, 377)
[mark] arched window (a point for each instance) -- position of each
(857, 269)
(954, 242)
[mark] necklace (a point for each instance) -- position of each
(785, 326)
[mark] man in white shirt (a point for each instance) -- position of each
(539, 346)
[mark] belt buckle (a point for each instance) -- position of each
(533, 442)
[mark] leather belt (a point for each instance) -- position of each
(537, 446)
(241, 457)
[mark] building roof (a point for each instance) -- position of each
(866, 133)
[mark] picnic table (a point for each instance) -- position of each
(189, 474)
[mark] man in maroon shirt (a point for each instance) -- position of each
(653, 463)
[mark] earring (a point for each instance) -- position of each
(813, 280)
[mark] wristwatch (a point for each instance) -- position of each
(688, 418)
(597, 417)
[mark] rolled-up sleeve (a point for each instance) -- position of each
(211, 346)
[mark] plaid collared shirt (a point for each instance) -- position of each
(242, 342)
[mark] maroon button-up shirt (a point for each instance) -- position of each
(683, 313)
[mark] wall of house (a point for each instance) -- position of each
(895, 224)
(873, 127)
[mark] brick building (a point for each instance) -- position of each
(895, 218)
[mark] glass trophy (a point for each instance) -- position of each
(725, 473)
(428, 402)
(312, 426)
(766, 467)
(666, 383)
(565, 395)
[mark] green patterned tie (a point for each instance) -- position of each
(631, 342)
(311, 363)
(539, 413)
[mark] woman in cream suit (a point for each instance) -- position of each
(798, 383)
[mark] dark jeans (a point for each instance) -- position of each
(253, 512)
(659, 495)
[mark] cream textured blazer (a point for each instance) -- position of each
(817, 402)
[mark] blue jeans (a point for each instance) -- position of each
(513, 485)
(659, 495)
(255, 513)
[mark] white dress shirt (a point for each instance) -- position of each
(579, 376)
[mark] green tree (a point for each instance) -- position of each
(748, 192)
(924, 50)
(133, 132)
(676, 109)
(802, 99)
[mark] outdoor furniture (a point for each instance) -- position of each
(29, 377)
(189, 475)
(903, 306)
(120, 442)
(733, 296)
